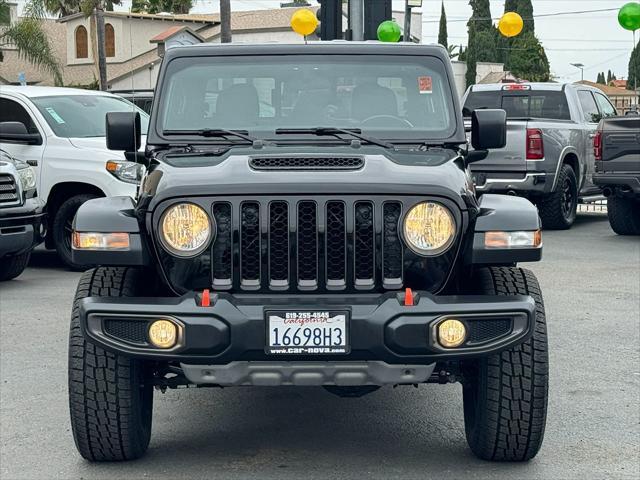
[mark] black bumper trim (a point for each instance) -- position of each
(232, 329)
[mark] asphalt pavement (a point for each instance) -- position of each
(591, 284)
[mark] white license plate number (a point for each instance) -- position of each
(307, 333)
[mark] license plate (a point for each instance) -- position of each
(307, 332)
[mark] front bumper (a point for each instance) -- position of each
(523, 183)
(380, 327)
(21, 228)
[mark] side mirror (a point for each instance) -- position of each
(123, 131)
(16, 132)
(488, 129)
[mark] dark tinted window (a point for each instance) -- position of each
(589, 107)
(530, 104)
(11, 111)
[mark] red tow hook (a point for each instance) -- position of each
(206, 298)
(408, 298)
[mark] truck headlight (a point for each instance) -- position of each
(27, 178)
(185, 229)
(429, 228)
(125, 171)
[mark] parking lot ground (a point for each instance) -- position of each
(591, 283)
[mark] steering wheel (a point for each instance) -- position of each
(374, 120)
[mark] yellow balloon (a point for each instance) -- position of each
(304, 22)
(511, 24)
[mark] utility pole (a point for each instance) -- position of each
(102, 58)
(356, 19)
(408, 5)
(225, 21)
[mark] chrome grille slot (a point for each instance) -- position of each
(8, 190)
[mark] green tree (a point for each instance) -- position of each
(157, 6)
(442, 33)
(525, 9)
(633, 79)
(608, 77)
(29, 38)
(524, 55)
(600, 79)
(62, 8)
(483, 39)
(528, 59)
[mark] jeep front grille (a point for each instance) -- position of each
(307, 163)
(8, 190)
(307, 245)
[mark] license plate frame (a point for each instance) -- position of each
(301, 319)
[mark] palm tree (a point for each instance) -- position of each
(96, 9)
(29, 39)
(62, 8)
(225, 21)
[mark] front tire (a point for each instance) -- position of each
(110, 395)
(624, 215)
(11, 267)
(558, 210)
(505, 395)
(62, 227)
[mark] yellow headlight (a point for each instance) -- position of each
(163, 334)
(451, 333)
(429, 228)
(185, 229)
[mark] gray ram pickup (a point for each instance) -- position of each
(549, 155)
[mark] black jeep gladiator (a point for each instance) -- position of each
(22, 224)
(307, 217)
(617, 153)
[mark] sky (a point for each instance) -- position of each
(593, 39)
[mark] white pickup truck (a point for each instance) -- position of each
(60, 132)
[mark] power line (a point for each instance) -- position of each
(542, 15)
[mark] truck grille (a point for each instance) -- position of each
(307, 245)
(307, 163)
(8, 190)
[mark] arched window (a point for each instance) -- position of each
(109, 40)
(82, 43)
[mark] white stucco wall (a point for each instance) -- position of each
(143, 79)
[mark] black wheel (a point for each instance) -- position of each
(558, 209)
(62, 227)
(110, 396)
(505, 395)
(624, 215)
(11, 267)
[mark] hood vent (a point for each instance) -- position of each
(306, 163)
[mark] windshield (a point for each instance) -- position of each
(525, 104)
(389, 97)
(81, 116)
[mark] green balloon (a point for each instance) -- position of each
(389, 31)
(629, 16)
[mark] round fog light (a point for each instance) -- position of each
(451, 333)
(163, 334)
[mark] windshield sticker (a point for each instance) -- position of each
(425, 84)
(55, 115)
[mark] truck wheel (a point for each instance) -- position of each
(110, 396)
(624, 215)
(558, 209)
(505, 395)
(62, 227)
(11, 267)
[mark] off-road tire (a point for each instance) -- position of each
(505, 395)
(624, 215)
(553, 214)
(110, 396)
(11, 267)
(60, 227)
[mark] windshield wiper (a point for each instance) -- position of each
(213, 132)
(354, 132)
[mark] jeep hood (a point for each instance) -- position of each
(383, 173)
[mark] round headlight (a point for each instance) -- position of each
(429, 228)
(185, 229)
